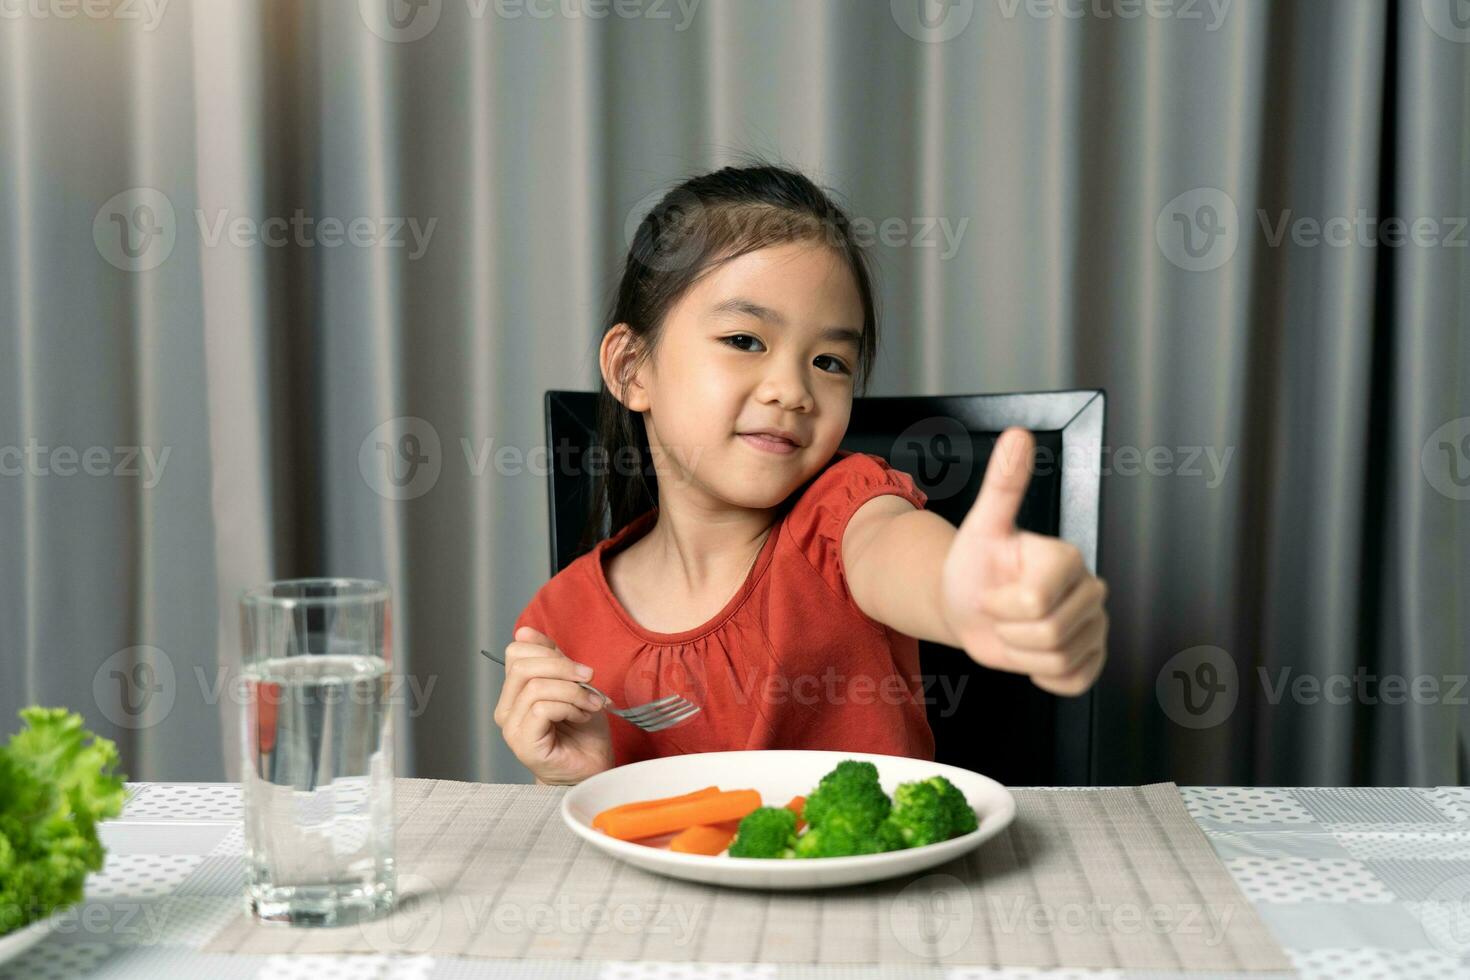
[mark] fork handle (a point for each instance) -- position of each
(582, 684)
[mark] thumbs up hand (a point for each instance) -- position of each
(1020, 601)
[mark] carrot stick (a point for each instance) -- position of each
(703, 839)
(797, 805)
(652, 821)
(731, 825)
(698, 794)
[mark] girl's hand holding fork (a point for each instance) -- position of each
(553, 725)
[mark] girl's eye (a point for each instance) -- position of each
(738, 337)
(737, 341)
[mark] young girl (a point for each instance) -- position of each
(779, 582)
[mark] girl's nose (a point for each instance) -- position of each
(788, 391)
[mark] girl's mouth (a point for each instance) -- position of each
(769, 444)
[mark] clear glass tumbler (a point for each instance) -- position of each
(318, 750)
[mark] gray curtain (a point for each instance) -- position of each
(1058, 194)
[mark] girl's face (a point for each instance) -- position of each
(768, 340)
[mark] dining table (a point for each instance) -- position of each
(1350, 881)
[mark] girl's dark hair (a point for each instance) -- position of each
(695, 228)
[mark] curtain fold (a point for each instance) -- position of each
(298, 276)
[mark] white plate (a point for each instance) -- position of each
(13, 944)
(779, 774)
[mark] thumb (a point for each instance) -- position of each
(994, 512)
(527, 634)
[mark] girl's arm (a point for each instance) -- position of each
(1011, 599)
(892, 554)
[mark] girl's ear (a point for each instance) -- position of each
(617, 358)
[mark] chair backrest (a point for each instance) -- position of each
(992, 722)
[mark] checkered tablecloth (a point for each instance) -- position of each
(1363, 882)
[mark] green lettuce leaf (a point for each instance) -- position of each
(56, 785)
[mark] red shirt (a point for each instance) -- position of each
(791, 662)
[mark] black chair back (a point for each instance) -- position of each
(991, 722)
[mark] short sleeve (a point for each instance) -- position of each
(818, 519)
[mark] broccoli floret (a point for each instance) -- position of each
(961, 814)
(849, 799)
(766, 832)
(928, 811)
(849, 814)
(835, 841)
(920, 815)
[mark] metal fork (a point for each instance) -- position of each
(652, 716)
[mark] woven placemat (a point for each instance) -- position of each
(1098, 878)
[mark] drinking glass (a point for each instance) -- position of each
(318, 750)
